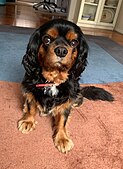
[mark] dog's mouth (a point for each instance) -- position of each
(60, 66)
(57, 75)
(56, 66)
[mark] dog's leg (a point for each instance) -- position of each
(60, 136)
(27, 123)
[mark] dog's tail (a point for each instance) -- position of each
(96, 93)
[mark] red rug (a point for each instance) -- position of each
(96, 129)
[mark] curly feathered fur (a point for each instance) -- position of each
(56, 53)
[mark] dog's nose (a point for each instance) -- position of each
(61, 51)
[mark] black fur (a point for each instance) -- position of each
(96, 93)
(70, 89)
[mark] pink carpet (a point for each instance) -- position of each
(96, 129)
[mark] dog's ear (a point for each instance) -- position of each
(30, 61)
(81, 60)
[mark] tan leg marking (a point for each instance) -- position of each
(27, 123)
(60, 137)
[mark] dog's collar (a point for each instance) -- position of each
(46, 85)
(49, 88)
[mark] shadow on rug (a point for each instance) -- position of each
(96, 129)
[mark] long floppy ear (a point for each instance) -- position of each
(30, 61)
(81, 60)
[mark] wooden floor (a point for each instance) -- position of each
(26, 16)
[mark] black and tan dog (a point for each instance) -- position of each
(55, 58)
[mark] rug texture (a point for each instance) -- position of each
(96, 129)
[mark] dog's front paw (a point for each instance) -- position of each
(25, 126)
(63, 144)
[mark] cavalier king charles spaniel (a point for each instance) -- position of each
(55, 58)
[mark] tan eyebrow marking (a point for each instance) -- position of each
(71, 35)
(52, 32)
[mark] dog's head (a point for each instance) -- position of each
(59, 49)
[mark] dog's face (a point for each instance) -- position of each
(58, 53)
(60, 47)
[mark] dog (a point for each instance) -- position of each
(56, 56)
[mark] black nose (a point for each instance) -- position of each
(61, 51)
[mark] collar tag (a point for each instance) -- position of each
(54, 90)
(51, 90)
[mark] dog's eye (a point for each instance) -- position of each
(74, 43)
(46, 39)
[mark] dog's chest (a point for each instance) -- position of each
(47, 102)
(51, 90)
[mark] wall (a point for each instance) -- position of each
(119, 24)
(74, 10)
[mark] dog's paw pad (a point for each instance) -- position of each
(25, 126)
(64, 145)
